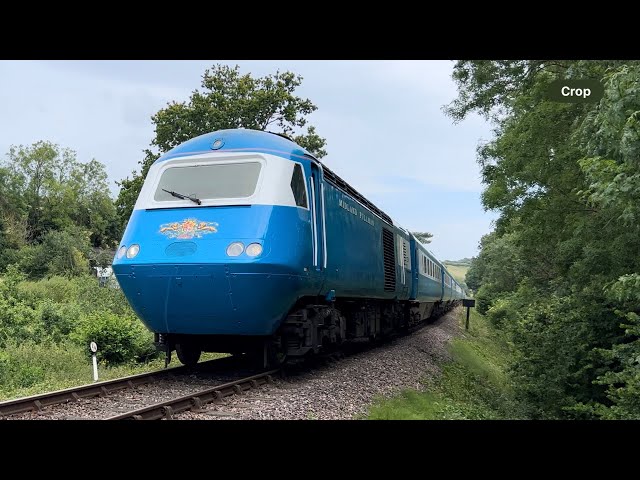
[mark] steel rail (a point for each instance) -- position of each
(196, 401)
(40, 401)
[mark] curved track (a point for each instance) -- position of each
(159, 394)
(44, 402)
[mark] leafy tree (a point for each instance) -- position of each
(228, 100)
(558, 272)
(48, 189)
(423, 237)
(38, 171)
(61, 252)
(496, 270)
(13, 207)
(4, 243)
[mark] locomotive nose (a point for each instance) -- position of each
(217, 271)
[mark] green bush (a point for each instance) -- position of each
(120, 339)
(61, 253)
(485, 297)
(56, 289)
(58, 320)
(84, 291)
(93, 298)
(17, 374)
(500, 312)
(18, 322)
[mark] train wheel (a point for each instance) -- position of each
(188, 354)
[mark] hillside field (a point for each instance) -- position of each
(458, 271)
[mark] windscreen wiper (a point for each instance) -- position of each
(179, 195)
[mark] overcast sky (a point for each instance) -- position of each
(383, 121)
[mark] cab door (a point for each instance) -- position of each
(318, 225)
(404, 262)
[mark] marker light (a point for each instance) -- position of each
(121, 251)
(133, 250)
(234, 249)
(254, 249)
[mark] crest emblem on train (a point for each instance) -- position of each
(188, 228)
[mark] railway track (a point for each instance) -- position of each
(195, 402)
(151, 409)
(103, 389)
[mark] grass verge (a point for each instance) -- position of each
(30, 368)
(473, 384)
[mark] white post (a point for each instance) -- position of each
(94, 348)
(95, 368)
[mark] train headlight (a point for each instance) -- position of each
(133, 250)
(254, 249)
(121, 251)
(234, 249)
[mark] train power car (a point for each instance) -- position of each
(242, 241)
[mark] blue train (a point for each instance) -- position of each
(242, 241)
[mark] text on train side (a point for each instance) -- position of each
(355, 212)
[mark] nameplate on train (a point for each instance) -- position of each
(355, 211)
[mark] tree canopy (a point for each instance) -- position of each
(423, 237)
(53, 209)
(228, 99)
(560, 273)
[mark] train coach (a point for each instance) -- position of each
(242, 241)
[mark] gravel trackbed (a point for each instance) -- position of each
(345, 389)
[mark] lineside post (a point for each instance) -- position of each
(94, 349)
(468, 302)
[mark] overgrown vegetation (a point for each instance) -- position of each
(560, 275)
(475, 384)
(46, 326)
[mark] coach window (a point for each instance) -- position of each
(297, 186)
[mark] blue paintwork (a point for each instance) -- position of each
(178, 293)
(237, 140)
(355, 266)
(190, 285)
(425, 289)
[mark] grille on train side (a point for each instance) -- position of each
(388, 251)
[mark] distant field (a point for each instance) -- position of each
(458, 271)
